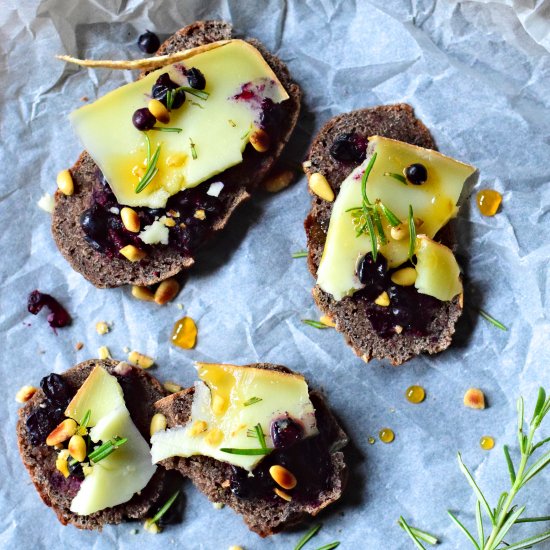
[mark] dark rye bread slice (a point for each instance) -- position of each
(210, 476)
(140, 391)
(396, 122)
(241, 181)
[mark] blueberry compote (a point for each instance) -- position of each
(349, 147)
(308, 459)
(105, 232)
(409, 309)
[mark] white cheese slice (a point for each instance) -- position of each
(218, 127)
(126, 471)
(434, 202)
(227, 404)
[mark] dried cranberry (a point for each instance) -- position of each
(285, 432)
(148, 42)
(58, 316)
(160, 90)
(41, 422)
(196, 79)
(56, 389)
(372, 273)
(416, 173)
(143, 119)
(348, 148)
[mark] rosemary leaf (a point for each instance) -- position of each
(412, 232)
(300, 254)
(165, 507)
(193, 149)
(106, 449)
(397, 177)
(539, 465)
(201, 94)
(510, 464)
(232, 451)
(329, 546)
(474, 486)
(86, 419)
(151, 170)
(252, 401)
(379, 226)
(418, 533)
(467, 533)
(532, 520)
(373, 239)
(479, 523)
(260, 435)
(390, 216)
(492, 320)
(507, 526)
(405, 526)
(528, 543)
(308, 536)
(365, 177)
(315, 324)
(169, 99)
(162, 129)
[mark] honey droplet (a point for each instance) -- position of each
(386, 435)
(487, 442)
(184, 333)
(415, 394)
(371, 440)
(488, 201)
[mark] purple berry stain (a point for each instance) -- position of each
(58, 316)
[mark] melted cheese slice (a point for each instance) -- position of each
(126, 471)
(227, 404)
(218, 127)
(434, 202)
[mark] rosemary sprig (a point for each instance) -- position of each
(308, 536)
(169, 99)
(260, 435)
(315, 324)
(193, 149)
(201, 94)
(412, 232)
(492, 320)
(252, 401)
(161, 129)
(86, 419)
(106, 449)
(390, 216)
(233, 451)
(151, 170)
(416, 535)
(300, 254)
(397, 177)
(330, 545)
(165, 507)
(507, 514)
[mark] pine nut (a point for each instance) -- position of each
(319, 185)
(383, 300)
(474, 398)
(77, 447)
(282, 477)
(327, 320)
(166, 291)
(143, 293)
(65, 182)
(104, 353)
(25, 393)
(151, 527)
(61, 462)
(282, 494)
(399, 232)
(130, 219)
(159, 111)
(398, 329)
(259, 139)
(279, 181)
(140, 360)
(404, 277)
(200, 215)
(158, 423)
(132, 253)
(101, 327)
(172, 387)
(62, 432)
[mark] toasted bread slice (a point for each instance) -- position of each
(391, 121)
(211, 477)
(241, 181)
(140, 392)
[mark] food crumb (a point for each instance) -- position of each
(218, 505)
(474, 398)
(78, 346)
(102, 327)
(46, 203)
(104, 353)
(84, 98)
(25, 393)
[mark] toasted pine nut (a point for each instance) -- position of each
(104, 353)
(282, 476)
(200, 215)
(260, 140)
(158, 423)
(25, 393)
(159, 111)
(474, 398)
(130, 219)
(282, 494)
(61, 462)
(235, 548)
(132, 253)
(404, 277)
(65, 182)
(399, 232)
(198, 427)
(140, 360)
(327, 320)
(77, 447)
(168, 222)
(166, 291)
(172, 387)
(398, 329)
(151, 527)
(278, 181)
(319, 185)
(383, 300)
(143, 293)
(101, 327)
(62, 432)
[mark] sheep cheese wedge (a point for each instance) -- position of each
(126, 471)
(434, 203)
(213, 125)
(231, 404)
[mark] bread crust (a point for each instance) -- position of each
(396, 122)
(243, 179)
(209, 475)
(40, 459)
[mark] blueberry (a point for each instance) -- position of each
(196, 79)
(94, 224)
(160, 90)
(56, 389)
(348, 148)
(372, 273)
(285, 432)
(148, 42)
(41, 422)
(143, 119)
(416, 173)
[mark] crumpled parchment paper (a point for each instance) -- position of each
(477, 74)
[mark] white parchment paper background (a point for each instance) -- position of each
(478, 75)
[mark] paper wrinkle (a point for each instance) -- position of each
(477, 74)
